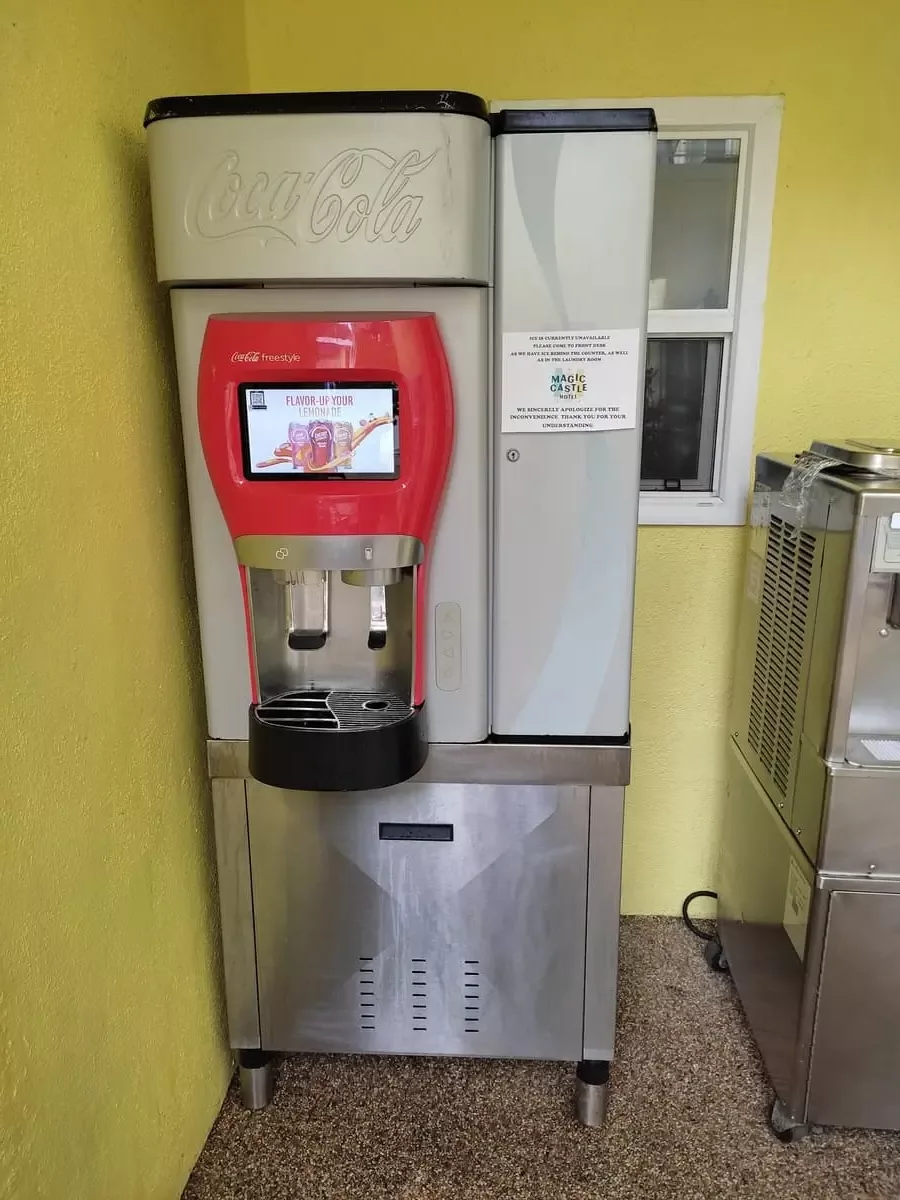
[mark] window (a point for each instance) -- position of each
(715, 189)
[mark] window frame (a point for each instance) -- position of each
(756, 121)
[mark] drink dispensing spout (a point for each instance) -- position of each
(306, 608)
(376, 581)
(377, 639)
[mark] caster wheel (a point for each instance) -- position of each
(715, 955)
(784, 1127)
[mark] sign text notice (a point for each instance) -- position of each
(577, 381)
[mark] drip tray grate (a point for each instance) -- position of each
(333, 710)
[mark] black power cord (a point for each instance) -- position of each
(695, 929)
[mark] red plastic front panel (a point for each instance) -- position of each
(404, 350)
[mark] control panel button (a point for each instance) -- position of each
(448, 646)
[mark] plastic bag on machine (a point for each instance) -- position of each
(795, 491)
(808, 467)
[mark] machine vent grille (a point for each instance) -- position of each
(471, 994)
(419, 990)
(367, 996)
(780, 644)
(332, 710)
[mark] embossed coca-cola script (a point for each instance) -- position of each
(364, 193)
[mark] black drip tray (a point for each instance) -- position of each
(336, 741)
(340, 712)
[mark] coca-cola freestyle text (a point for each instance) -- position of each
(255, 356)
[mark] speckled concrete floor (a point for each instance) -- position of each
(687, 1116)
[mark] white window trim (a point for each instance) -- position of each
(759, 119)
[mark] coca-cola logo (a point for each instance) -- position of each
(255, 356)
(359, 193)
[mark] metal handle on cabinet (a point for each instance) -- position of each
(893, 616)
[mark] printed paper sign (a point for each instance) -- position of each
(580, 381)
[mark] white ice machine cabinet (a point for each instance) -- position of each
(574, 196)
(330, 258)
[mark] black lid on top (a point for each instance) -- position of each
(574, 120)
(266, 104)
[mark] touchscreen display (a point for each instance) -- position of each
(311, 430)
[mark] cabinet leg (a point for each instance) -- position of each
(785, 1127)
(256, 1078)
(591, 1092)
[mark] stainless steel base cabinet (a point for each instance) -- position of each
(428, 918)
(433, 917)
(814, 958)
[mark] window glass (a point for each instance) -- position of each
(681, 402)
(693, 222)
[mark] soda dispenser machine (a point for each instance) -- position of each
(409, 340)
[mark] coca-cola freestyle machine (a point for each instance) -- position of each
(414, 503)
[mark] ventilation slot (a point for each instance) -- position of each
(419, 992)
(471, 995)
(780, 650)
(366, 987)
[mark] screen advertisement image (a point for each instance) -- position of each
(316, 430)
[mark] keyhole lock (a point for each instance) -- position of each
(513, 455)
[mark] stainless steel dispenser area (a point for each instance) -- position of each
(465, 901)
(809, 888)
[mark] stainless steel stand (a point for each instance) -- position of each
(471, 911)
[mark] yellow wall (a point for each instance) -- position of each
(112, 1059)
(111, 1052)
(831, 359)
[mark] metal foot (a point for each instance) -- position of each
(785, 1128)
(256, 1078)
(591, 1092)
(715, 956)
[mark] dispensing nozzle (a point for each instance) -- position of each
(377, 618)
(306, 609)
(375, 580)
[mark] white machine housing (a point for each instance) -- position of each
(319, 212)
(316, 196)
(365, 200)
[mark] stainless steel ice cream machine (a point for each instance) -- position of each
(809, 888)
(409, 340)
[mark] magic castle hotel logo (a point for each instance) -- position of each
(568, 385)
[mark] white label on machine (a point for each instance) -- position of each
(576, 381)
(761, 506)
(796, 907)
